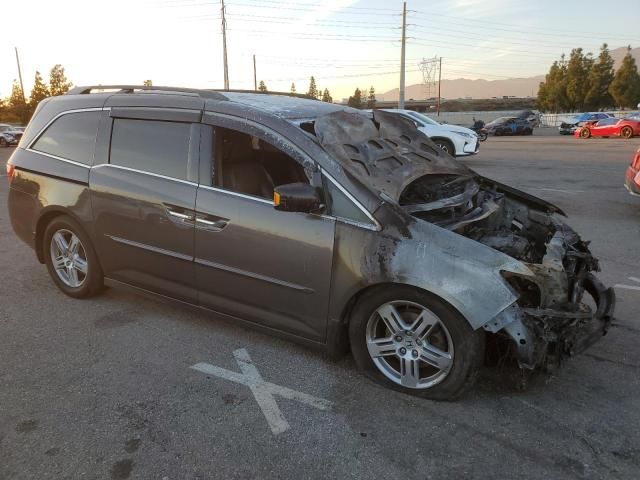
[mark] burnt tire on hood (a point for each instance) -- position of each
(412, 341)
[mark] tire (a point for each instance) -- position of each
(527, 131)
(88, 279)
(498, 133)
(445, 146)
(3, 142)
(453, 344)
(626, 132)
(585, 133)
(482, 137)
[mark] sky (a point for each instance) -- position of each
(344, 44)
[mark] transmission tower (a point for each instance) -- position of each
(430, 68)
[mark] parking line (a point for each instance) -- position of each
(263, 391)
(629, 287)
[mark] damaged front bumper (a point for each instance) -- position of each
(543, 336)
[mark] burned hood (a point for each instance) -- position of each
(386, 153)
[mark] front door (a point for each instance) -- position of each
(252, 261)
(143, 201)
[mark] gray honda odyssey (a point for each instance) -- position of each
(340, 229)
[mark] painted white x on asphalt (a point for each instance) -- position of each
(263, 391)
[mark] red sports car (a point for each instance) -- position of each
(632, 178)
(609, 127)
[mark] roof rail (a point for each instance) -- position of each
(132, 89)
(213, 94)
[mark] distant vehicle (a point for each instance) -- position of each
(7, 140)
(478, 127)
(570, 127)
(609, 127)
(632, 177)
(455, 140)
(509, 126)
(9, 135)
(533, 117)
(634, 115)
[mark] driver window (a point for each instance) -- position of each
(247, 164)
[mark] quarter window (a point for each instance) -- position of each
(72, 136)
(342, 207)
(151, 146)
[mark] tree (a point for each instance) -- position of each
(371, 99)
(17, 107)
(326, 96)
(148, 83)
(262, 87)
(293, 88)
(39, 92)
(625, 87)
(313, 90)
(600, 78)
(355, 100)
(16, 99)
(58, 83)
(578, 68)
(552, 94)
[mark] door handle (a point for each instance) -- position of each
(181, 216)
(212, 225)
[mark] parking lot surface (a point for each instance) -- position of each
(122, 386)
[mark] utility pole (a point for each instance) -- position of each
(439, 82)
(224, 47)
(24, 99)
(255, 78)
(404, 37)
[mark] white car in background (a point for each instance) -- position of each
(453, 139)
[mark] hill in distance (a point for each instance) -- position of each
(464, 87)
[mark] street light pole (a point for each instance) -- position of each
(404, 37)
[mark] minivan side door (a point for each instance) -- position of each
(252, 261)
(143, 192)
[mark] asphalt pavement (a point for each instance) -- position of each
(122, 386)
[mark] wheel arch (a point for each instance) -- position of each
(435, 138)
(338, 337)
(46, 217)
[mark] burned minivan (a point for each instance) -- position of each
(342, 230)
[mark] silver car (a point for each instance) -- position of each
(306, 219)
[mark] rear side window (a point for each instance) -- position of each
(151, 146)
(72, 136)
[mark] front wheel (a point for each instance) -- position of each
(71, 258)
(626, 132)
(482, 137)
(585, 133)
(445, 146)
(409, 340)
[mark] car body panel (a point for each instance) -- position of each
(509, 126)
(632, 175)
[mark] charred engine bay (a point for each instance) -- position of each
(477, 209)
(464, 205)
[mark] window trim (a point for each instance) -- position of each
(144, 172)
(209, 117)
(189, 168)
(29, 148)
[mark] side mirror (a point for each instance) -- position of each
(296, 197)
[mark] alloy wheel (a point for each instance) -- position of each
(69, 258)
(409, 344)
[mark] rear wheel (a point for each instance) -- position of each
(585, 132)
(71, 258)
(626, 132)
(445, 146)
(411, 341)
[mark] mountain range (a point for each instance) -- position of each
(464, 87)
